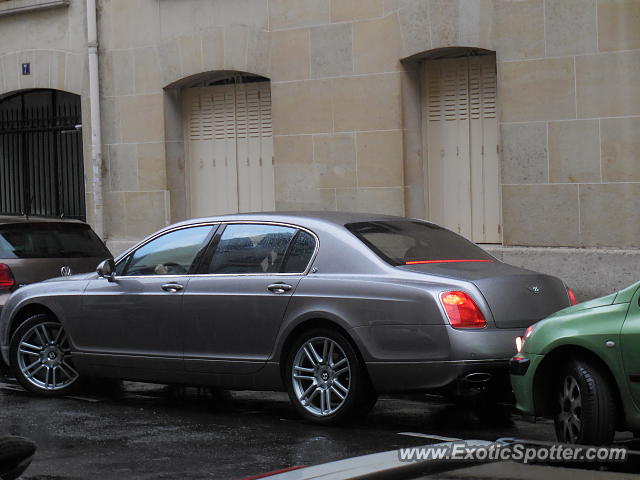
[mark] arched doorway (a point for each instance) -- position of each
(41, 161)
(228, 143)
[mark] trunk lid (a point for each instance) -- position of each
(517, 297)
(31, 270)
(41, 249)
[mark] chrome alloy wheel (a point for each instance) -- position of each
(321, 376)
(44, 357)
(570, 416)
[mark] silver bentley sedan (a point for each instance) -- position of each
(332, 307)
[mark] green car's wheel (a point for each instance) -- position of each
(586, 409)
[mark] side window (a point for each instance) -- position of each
(170, 254)
(122, 265)
(300, 253)
(251, 248)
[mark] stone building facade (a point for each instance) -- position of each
(346, 115)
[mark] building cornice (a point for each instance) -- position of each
(14, 7)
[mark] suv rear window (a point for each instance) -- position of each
(50, 240)
(408, 241)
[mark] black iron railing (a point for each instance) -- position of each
(41, 158)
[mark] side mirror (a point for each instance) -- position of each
(107, 269)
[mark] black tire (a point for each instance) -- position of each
(53, 358)
(360, 398)
(585, 407)
(367, 401)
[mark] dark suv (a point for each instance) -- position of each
(35, 249)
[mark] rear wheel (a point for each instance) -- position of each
(585, 408)
(40, 357)
(327, 382)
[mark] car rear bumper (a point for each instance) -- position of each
(397, 377)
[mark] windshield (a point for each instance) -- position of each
(50, 240)
(407, 242)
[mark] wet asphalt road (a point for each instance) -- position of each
(142, 431)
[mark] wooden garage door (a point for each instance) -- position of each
(461, 134)
(229, 149)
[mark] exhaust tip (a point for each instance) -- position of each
(477, 378)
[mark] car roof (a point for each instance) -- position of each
(15, 219)
(318, 222)
(333, 218)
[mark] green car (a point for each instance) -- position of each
(581, 367)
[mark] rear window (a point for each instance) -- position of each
(406, 241)
(50, 240)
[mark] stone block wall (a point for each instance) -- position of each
(337, 105)
(570, 105)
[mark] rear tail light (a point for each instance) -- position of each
(462, 310)
(6, 277)
(572, 296)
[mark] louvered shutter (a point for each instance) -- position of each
(460, 131)
(255, 147)
(448, 144)
(485, 162)
(230, 149)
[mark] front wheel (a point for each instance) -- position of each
(40, 357)
(327, 382)
(585, 409)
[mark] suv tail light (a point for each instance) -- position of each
(462, 310)
(572, 296)
(6, 277)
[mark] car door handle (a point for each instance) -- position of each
(279, 287)
(172, 287)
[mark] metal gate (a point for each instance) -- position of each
(41, 161)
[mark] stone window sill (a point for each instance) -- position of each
(14, 7)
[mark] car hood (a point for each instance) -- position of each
(595, 303)
(46, 287)
(72, 278)
(623, 296)
(626, 294)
